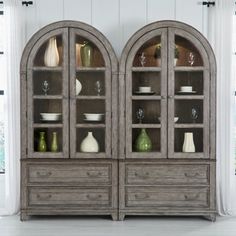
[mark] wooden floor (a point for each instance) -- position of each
(132, 226)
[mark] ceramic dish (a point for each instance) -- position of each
(175, 119)
(93, 116)
(50, 116)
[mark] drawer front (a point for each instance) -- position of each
(64, 173)
(147, 174)
(88, 197)
(167, 196)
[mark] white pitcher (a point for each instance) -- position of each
(89, 144)
(188, 145)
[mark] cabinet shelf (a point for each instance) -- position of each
(45, 68)
(84, 155)
(48, 155)
(83, 97)
(194, 125)
(189, 97)
(189, 68)
(47, 97)
(192, 155)
(146, 126)
(146, 97)
(98, 125)
(90, 69)
(146, 69)
(48, 125)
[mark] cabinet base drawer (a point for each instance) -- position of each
(167, 196)
(68, 173)
(147, 174)
(83, 196)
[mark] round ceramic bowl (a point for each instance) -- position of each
(50, 116)
(175, 119)
(93, 116)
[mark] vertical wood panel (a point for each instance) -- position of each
(132, 17)
(49, 11)
(107, 21)
(160, 10)
(190, 12)
(79, 10)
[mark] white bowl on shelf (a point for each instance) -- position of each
(50, 116)
(175, 119)
(93, 116)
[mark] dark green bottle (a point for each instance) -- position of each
(42, 146)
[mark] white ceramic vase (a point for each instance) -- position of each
(78, 87)
(188, 145)
(89, 144)
(51, 56)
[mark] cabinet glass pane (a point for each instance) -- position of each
(149, 53)
(146, 79)
(98, 134)
(87, 53)
(54, 45)
(197, 138)
(49, 139)
(92, 83)
(47, 83)
(188, 55)
(189, 111)
(154, 136)
(193, 79)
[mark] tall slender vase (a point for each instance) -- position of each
(89, 144)
(51, 56)
(86, 53)
(143, 143)
(42, 146)
(188, 145)
(54, 144)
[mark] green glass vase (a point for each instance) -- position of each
(86, 53)
(143, 143)
(42, 146)
(54, 144)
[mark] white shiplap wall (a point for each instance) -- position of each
(116, 19)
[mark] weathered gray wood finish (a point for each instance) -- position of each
(167, 181)
(68, 182)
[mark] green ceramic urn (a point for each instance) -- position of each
(143, 142)
(86, 53)
(42, 146)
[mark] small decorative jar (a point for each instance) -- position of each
(89, 144)
(54, 144)
(143, 142)
(188, 145)
(42, 146)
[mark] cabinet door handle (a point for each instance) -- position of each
(141, 196)
(93, 174)
(143, 175)
(189, 175)
(191, 197)
(44, 197)
(44, 174)
(94, 197)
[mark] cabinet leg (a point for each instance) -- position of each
(211, 217)
(24, 217)
(114, 216)
(121, 216)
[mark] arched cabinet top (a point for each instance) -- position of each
(62, 30)
(175, 34)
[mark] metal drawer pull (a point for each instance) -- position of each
(141, 196)
(44, 174)
(142, 175)
(189, 175)
(45, 197)
(94, 174)
(94, 197)
(191, 197)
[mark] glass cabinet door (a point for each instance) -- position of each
(90, 92)
(48, 96)
(146, 97)
(188, 97)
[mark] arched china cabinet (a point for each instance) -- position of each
(65, 96)
(167, 109)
